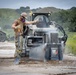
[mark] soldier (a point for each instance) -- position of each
(18, 29)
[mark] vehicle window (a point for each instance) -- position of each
(43, 21)
(60, 32)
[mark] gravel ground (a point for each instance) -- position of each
(30, 67)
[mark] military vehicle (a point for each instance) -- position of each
(44, 40)
(2, 36)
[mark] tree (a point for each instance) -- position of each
(72, 19)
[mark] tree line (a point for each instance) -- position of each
(66, 18)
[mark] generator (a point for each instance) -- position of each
(44, 40)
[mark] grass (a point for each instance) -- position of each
(71, 42)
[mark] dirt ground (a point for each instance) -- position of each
(31, 67)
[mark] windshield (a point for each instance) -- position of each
(43, 21)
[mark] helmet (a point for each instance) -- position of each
(24, 14)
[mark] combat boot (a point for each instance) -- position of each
(17, 60)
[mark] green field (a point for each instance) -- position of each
(71, 42)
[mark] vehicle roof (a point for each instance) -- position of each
(36, 14)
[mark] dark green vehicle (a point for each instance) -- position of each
(2, 36)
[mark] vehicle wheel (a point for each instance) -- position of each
(60, 53)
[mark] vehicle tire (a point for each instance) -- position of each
(60, 53)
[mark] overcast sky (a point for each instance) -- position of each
(63, 4)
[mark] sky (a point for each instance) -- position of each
(15, 4)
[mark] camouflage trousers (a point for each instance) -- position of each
(19, 45)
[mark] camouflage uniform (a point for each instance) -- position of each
(19, 38)
(19, 45)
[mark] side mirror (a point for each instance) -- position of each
(64, 38)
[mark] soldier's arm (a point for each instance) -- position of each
(31, 22)
(14, 25)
